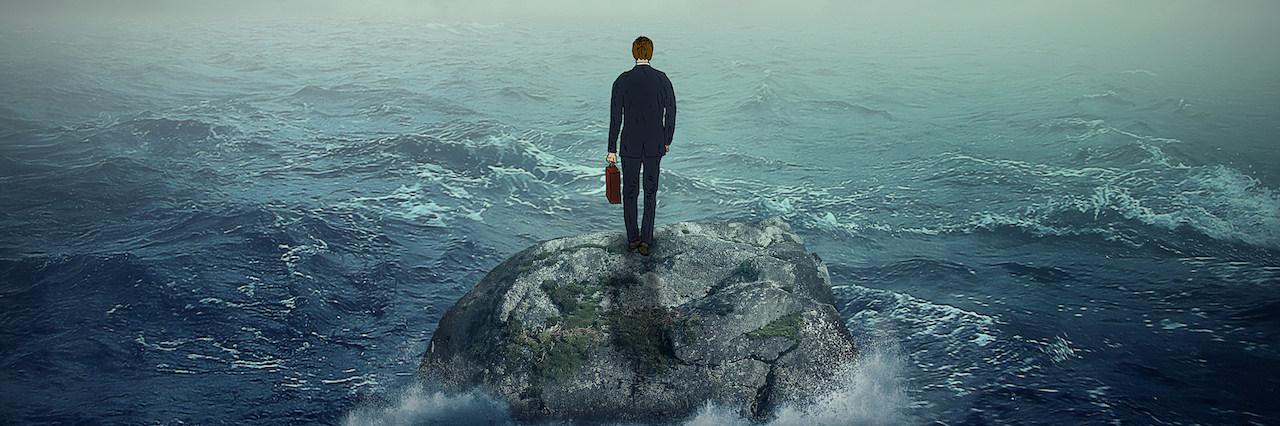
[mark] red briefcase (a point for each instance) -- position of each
(613, 184)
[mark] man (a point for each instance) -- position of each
(643, 107)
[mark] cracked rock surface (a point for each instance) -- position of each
(582, 327)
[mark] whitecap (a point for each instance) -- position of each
(1060, 349)
(1141, 71)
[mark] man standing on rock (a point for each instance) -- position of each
(643, 107)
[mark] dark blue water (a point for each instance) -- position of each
(261, 221)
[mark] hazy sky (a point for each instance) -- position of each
(646, 9)
(1119, 16)
(472, 9)
(1169, 27)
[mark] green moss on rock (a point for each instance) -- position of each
(548, 258)
(549, 355)
(644, 336)
(563, 354)
(579, 305)
(787, 326)
(690, 326)
(566, 342)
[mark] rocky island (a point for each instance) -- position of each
(581, 327)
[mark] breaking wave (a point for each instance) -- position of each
(416, 405)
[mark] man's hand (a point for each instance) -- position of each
(611, 158)
(668, 148)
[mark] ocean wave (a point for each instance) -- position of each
(1109, 97)
(1140, 188)
(1175, 105)
(376, 100)
(145, 137)
(1141, 195)
(972, 342)
(1141, 72)
(891, 316)
(844, 106)
(521, 95)
(1218, 202)
(1228, 205)
(462, 170)
(959, 359)
(313, 93)
(764, 99)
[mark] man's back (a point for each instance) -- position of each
(643, 111)
(643, 107)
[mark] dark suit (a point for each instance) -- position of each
(643, 108)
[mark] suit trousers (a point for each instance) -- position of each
(631, 171)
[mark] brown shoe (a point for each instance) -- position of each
(632, 245)
(644, 248)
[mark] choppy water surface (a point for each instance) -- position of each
(260, 222)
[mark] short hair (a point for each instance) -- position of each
(642, 48)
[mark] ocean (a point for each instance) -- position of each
(1028, 219)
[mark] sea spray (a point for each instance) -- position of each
(418, 405)
(868, 392)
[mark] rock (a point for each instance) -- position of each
(582, 327)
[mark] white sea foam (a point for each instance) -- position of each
(293, 255)
(1226, 204)
(868, 392)
(1060, 349)
(414, 203)
(415, 405)
(1217, 201)
(1141, 71)
(923, 329)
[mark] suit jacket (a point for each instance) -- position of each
(643, 107)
